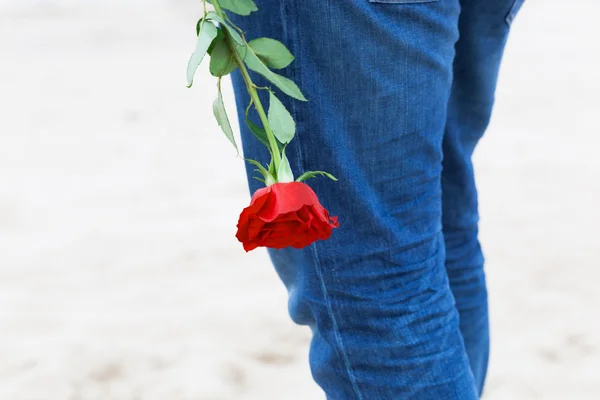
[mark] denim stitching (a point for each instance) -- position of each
(336, 330)
(299, 165)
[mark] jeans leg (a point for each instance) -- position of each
(483, 27)
(376, 295)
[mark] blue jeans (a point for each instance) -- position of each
(400, 92)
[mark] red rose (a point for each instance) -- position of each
(283, 215)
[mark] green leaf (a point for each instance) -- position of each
(258, 132)
(260, 179)
(312, 174)
(219, 36)
(221, 58)
(221, 116)
(241, 7)
(272, 52)
(284, 172)
(212, 16)
(198, 26)
(261, 134)
(281, 120)
(287, 86)
(207, 33)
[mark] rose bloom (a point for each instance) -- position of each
(283, 215)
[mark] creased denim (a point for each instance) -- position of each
(399, 94)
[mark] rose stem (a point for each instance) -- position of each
(251, 90)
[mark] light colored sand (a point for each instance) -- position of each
(120, 278)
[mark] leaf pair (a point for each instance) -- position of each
(212, 40)
(280, 120)
(257, 64)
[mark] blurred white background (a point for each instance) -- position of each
(121, 279)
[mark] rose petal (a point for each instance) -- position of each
(248, 246)
(289, 197)
(254, 227)
(283, 215)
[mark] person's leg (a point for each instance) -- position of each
(483, 27)
(376, 295)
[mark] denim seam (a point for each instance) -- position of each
(299, 165)
(336, 330)
(512, 13)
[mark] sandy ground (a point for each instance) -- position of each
(120, 278)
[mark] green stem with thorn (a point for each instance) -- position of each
(251, 87)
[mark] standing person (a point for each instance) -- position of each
(400, 92)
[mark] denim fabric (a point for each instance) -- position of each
(396, 299)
